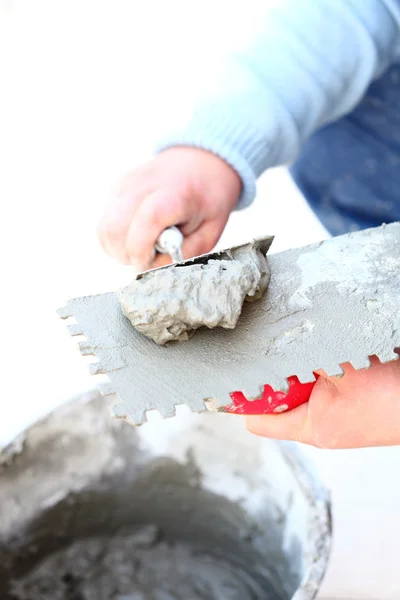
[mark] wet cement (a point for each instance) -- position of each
(140, 566)
(170, 304)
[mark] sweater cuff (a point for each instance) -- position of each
(229, 137)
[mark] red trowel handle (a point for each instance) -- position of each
(272, 402)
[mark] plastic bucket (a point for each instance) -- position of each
(189, 508)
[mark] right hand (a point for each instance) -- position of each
(183, 186)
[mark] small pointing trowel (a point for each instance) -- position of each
(327, 304)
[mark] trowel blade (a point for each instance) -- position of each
(262, 243)
(327, 304)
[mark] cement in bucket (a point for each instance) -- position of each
(192, 508)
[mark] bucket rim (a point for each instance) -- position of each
(320, 534)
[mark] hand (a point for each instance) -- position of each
(182, 186)
(360, 409)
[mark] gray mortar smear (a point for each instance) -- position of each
(93, 509)
(326, 304)
(170, 304)
(136, 566)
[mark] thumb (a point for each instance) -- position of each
(291, 425)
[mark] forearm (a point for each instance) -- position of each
(297, 66)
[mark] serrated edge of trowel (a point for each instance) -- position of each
(211, 404)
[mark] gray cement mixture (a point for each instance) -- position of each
(139, 566)
(170, 304)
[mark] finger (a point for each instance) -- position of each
(113, 227)
(297, 424)
(291, 425)
(204, 239)
(155, 213)
(343, 412)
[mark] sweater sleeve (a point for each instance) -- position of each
(296, 65)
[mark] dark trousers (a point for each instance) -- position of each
(349, 171)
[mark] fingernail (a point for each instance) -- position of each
(140, 266)
(137, 268)
(135, 271)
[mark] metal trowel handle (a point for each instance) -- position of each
(170, 242)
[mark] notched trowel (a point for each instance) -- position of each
(326, 304)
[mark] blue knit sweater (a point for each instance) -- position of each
(314, 83)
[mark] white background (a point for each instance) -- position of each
(84, 88)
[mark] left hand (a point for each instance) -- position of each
(360, 409)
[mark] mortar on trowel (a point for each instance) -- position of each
(170, 303)
(94, 509)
